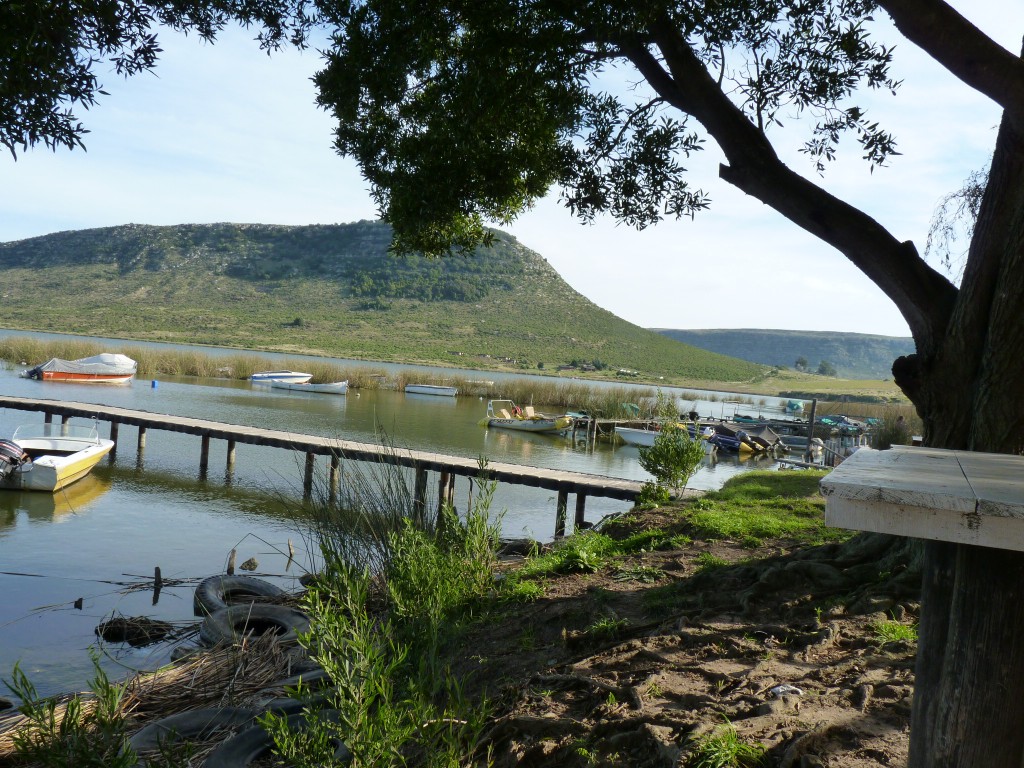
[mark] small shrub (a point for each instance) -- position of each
(725, 749)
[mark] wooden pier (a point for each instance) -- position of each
(421, 462)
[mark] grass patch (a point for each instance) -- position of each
(765, 505)
(892, 631)
(725, 749)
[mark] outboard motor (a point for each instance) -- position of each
(11, 457)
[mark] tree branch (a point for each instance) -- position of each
(924, 297)
(963, 49)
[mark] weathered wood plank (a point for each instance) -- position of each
(958, 496)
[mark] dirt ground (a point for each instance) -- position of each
(635, 663)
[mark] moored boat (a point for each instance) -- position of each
(48, 457)
(330, 388)
(505, 414)
(269, 377)
(105, 368)
(431, 389)
(645, 438)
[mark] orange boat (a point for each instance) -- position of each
(105, 368)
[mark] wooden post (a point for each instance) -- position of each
(560, 509)
(231, 563)
(419, 494)
(142, 439)
(231, 455)
(158, 583)
(335, 475)
(204, 455)
(47, 417)
(307, 480)
(581, 504)
(442, 493)
(64, 424)
(810, 430)
(113, 436)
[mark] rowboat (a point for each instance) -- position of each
(105, 368)
(505, 414)
(48, 457)
(331, 388)
(431, 389)
(269, 377)
(645, 438)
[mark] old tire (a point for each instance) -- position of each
(218, 592)
(197, 724)
(253, 743)
(228, 625)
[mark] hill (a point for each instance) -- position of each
(330, 290)
(854, 355)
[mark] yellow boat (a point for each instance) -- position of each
(48, 457)
(507, 415)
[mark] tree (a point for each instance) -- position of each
(465, 112)
(474, 109)
(801, 363)
(825, 368)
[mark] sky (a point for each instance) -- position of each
(225, 133)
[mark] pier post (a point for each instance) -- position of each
(419, 494)
(307, 480)
(335, 475)
(231, 455)
(204, 455)
(47, 417)
(142, 438)
(560, 510)
(581, 504)
(113, 436)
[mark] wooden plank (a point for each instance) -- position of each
(958, 496)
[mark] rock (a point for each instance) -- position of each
(250, 565)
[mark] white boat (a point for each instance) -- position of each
(105, 368)
(431, 389)
(268, 377)
(505, 414)
(331, 388)
(48, 457)
(645, 438)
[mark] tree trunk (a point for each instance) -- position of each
(968, 708)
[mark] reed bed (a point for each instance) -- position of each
(558, 394)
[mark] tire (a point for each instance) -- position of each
(228, 625)
(253, 743)
(197, 724)
(221, 591)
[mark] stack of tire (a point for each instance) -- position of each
(232, 609)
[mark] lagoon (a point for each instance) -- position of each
(99, 541)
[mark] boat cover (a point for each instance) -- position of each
(106, 363)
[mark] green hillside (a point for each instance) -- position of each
(854, 355)
(330, 290)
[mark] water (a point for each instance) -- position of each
(103, 537)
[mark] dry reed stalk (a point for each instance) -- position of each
(230, 675)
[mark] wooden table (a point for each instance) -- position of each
(929, 493)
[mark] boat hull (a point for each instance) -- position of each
(559, 424)
(85, 378)
(332, 388)
(291, 377)
(431, 389)
(56, 462)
